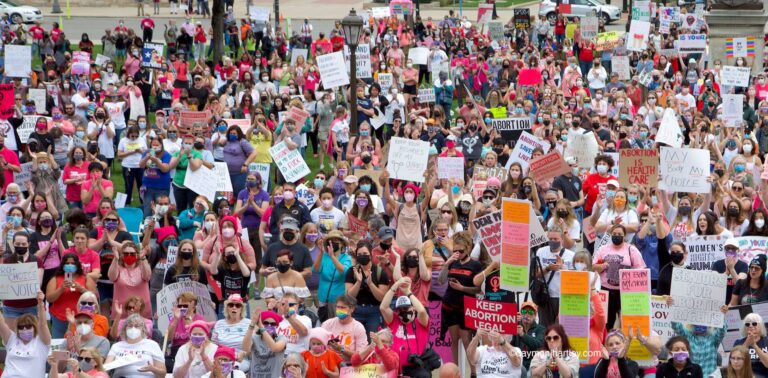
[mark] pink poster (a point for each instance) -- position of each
(442, 347)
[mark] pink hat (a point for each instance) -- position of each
(271, 315)
(413, 187)
(163, 80)
(320, 334)
(202, 325)
(231, 219)
(225, 351)
(235, 298)
(494, 182)
(165, 232)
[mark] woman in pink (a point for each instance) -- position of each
(89, 260)
(181, 67)
(57, 120)
(130, 273)
(94, 189)
(75, 173)
(229, 234)
(413, 266)
(408, 323)
(184, 314)
(132, 62)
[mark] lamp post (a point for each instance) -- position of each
(352, 25)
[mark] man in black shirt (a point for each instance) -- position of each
(290, 207)
(199, 92)
(569, 187)
(289, 239)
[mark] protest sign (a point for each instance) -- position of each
(102, 59)
(496, 30)
(6, 101)
(529, 76)
(574, 310)
(258, 13)
(692, 43)
(490, 316)
(524, 149)
(515, 244)
(698, 296)
(584, 148)
(609, 40)
(735, 76)
(480, 175)
(589, 27)
(742, 47)
(638, 166)
(538, 236)
(385, 80)
(418, 55)
(407, 159)
(18, 60)
(166, 298)
(380, 12)
(684, 170)
(367, 370)
(305, 196)
(637, 39)
(426, 95)
(38, 96)
(356, 225)
(298, 115)
(152, 55)
(20, 281)
(450, 167)
(660, 322)
(296, 53)
(489, 228)
(641, 10)
(635, 289)
(21, 178)
(187, 119)
(669, 131)
(751, 246)
(243, 124)
(403, 7)
(484, 13)
(290, 162)
(332, 71)
(362, 58)
(522, 18)
(442, 346)
(703, 251)
(620, 65)
(27, 127)
(549, 166)
(732, 110)
(207, 182)
(511, 128)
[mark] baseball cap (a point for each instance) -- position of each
(614, 183)
(386, 233)
(403, 302)
(530, 304)
(289, 223)
(350, 179)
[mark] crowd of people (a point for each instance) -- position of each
(339, 269)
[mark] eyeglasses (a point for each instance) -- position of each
(292, 304)
(86, 359)
(87, 303)
(266, 324)
(552, 338)
(235, 305)
(527, 312)
(751, 324)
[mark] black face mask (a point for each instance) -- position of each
(617, 239)
(720, 172)
(231, 259)
(498, 151)
(411, 261)
(527, 189)
(289, 236)
(366, 159)
(733, 211)
(551, 205)
(562, 213)
(282, 268)
(364, 259)
(684, 210)
(385, 246)
(596, 125)
(472, 129)
(199, 145)
(20, 250)
(405, 316)
(185, 255)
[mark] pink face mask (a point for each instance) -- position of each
(317, 348)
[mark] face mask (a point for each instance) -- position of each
(409, 197)
(84, 329)
(759, 222)
(20, 250)
(226, 368)
(129, 260)
(738, 168)
(318, 349)
(319, 183)
(197, 340)
(700, 329)
(161, 209)
(575, 171)
(288, 195)
(580, 266)
(272, 330)
(602, 169)
(26, 334)
(364, 259)
(278, 199)
(619, 202)
(222, 129)
(185, 255)
(133, 333)
(13, 198)
(312, 237)
(405, 316)
(677, 257)
(610, 193)
(111, 225)
(80, 134)
(70, 268)
(450, 144)
(412, 261)
(251, 183)
(289, 236)
(341, 314)
(46, 222)
(554, 245)
(232, 137)
(362, 202)
(228, 232)
(617, 239)
(86, 366)
(684, 210)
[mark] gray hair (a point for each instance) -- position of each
(299, 361)
(753, 317)
(132, 320)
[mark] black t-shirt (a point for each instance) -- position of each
(301, 257)
(747, 295)
(472, 146)
(37, 241)
(740, 267)
(494, 292)
(464, 273)
(45, 140)
(364, 295)
(106, 254)
(757, 366)
(232, 282)
(184, 276)
(570, 186)
(200, 94)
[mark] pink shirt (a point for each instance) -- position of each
(351, 336)
(73, 172)
(89, 259)
(181, 336)
(406, 342)
(625, 256)
(11, 158)
(93, 206)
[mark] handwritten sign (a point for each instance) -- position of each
(418, 55)
(496, 30)
(635, 288)
(356, 225)
(167, 297)
(426, 95)
(380, 12)
(490, 315)
(589, 27)
(207, 182)
(733, 110)
(258, 13)
(549, 166)
(20, 281)
(21, 178)
(637, 39)
(18, 60)
(368, 370)
(638, 166)
(574, 310)
(698, 296)
(524, 149)
(298, 115)
(291, 164)
(27, 127)
(515, 242)
(489, 228)
(332, 71)
(362, 60)
(584, 148)
(735, 76)
(684, 170)
(620, 65)
(692, 43)
(660, 322)
(408, 159)
(450, 168)
(608, 41)
(385, 80)
(751, 246)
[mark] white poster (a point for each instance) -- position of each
(18, 60)
(418, 55)
(660, 322)
(589, 27)
(524, 148)
(206, 182)
(362, 59)
(38, 96)
(290, 162)
(385, 81)
(426, 95)
(21, 178)
(669, 131)
(692, 43)
(703, 251)
(584, 148)
(620, 65)
(166, 299)
(698, 297)
(332, 71)
(733, 110)
(27, 127)
(380, 12)
(137, 106)
(407, 159)
(684, 170)
(735, 76)
(740, 49)
(259, 13)
(450, 168)
(637, 39)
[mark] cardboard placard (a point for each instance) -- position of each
(638, 166)
(549, 166)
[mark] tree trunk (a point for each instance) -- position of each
(217, 23)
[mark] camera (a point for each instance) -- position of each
(415, 360)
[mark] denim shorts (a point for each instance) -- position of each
(15, 312)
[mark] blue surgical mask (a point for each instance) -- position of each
(738, 168)
(364, 133)
(632, 199)
(487, 120)
(70, 268)
(365, 187)
(654, 200)
(455, 189)
(700, 329)
(16, 220)
(222, 128)
(319, 183)
(232, 137)
(80, 134)
(610, 193)
(643, 134)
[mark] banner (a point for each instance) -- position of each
(660, 322)
(484, 13)
(635, 289)
(18, 61)
(511, 128)
(380, 12)
(522, 18)
(426, 95)
(638, 166)
(588, 27)
(549, 166)
(692, 43)
(152, 55)
(407, 159)
(6, 101)
(735, 76)
(332, 71)
(524, 149)
(703, 251)
(188, 118)
(584, 148)
(207, 182)
(166, 299)
(490, 316)
(684, 170)
(698, 296)
(20, 281)
(366, 371)
(574, 310)
(291, 164)
(450, 168)
(751, 246)
(441, 346)
(515, 240)
(489, 228)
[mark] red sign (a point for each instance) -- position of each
(491, 316)
(530, 76)
(6, 101)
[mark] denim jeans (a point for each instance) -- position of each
(369, 316)
(150, 194)
(59, 327)
(238, 182)
(131, 175)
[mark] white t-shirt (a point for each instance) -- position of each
(341, 128)
(494, 363)
(23, 357)
(171, 146)
(330, 219)
(234, 374)
(296, 343)
(116, 111)
(574, 230)
(125, 145)
(146, 350)
(78, 100)
(547, 257)
(628, 216)
(197, 368)
(230, 335)
(105, 142)
(688, 101)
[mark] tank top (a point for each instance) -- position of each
(409, 228)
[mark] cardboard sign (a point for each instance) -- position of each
(6, 101)
(515, 244)
(522, 18)
(574, 310)
(692, 43)
(684, 170)
(418, 55)
(290, 162)
(407, 159)
(620, 65)
(332, 70)
(698, 296)
(511, 128)
(450, 168)
(207, 182)
(635, 289)
(703, 251)
(38, 96)
(660, 322)
(480, 176)
(638, 166)
(20, 281)
(490, 315)
(441, 345)
(152, 55)
(589, 27)
(298, 115)
(524, 149)
(426, 95)
(549, 166)
(735, 76)
(669, 132)
(609, 40)
(489, 228)
(18, 60)
(496, 30)
(166, 298)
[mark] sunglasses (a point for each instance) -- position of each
(552, 338)
(182, 306)
(291, 304)
(131, 308)
(267, 324)
(731, 249)
(86, 359)
(235, 305)
(737, 188)
(458, 251)
(527, 312)
(445, 211)
(751, 324)
(26, 326)
(110, 220)
(87, 303)
(488, 198)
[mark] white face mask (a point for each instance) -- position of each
(228, 232)
(161, 209)
(580, 266)
(84, 329)
(747, 148)
(133, 333)
(759, 223)
(209, 225)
